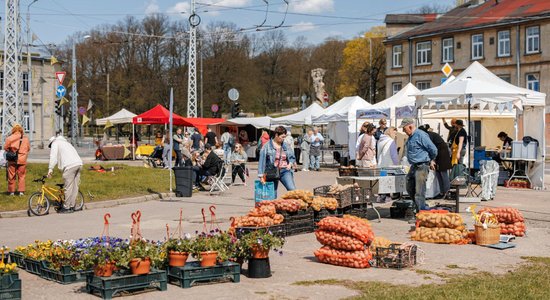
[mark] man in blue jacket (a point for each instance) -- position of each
(421, 153)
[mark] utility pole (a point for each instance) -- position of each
(194, 21)
(108, 93)
(74, 103)
(42, 81)
(370, 72)
(12, 107)
(29, 73)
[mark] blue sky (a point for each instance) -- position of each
(53, 20)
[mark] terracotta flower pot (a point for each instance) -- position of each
(177, 259)
(259, 252)
(140, 266)
(105, 270)
(209, 258)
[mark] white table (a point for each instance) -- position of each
(515, 162)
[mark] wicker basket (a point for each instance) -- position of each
(488, 236)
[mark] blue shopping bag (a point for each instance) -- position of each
(264, 191)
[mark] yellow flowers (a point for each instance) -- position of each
(7, 268)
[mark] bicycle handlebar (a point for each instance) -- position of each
(43, 179)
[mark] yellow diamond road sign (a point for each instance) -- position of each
(447, 70)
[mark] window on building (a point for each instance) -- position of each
(397, 57)
(423, 53)
(1, 81)
(396, 87)
(532, 39)
(506, 78)
(423, 85)
(477, 46)
(25, 83)
(533, 82)
(26, 121)
(503, 44)
(447, 48)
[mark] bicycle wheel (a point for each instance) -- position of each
(39, 205)
(79, 201)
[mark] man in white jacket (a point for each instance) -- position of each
(67, 159)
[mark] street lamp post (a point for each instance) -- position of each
(29, 73)
(370, 71)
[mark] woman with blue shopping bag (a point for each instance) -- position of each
(276, 161)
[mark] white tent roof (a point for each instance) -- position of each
(300, 118)
(121, 117)
(463, 114)
(258, 122)
(404, 97)
(343, 110)
(487, 90)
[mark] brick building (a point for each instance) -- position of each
(509, 37)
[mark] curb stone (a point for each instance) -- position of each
(99, 204)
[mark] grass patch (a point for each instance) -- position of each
(122, 183)
(529, 281)
(261, 293)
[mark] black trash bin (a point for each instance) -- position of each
(184, 181)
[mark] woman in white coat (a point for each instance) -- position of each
(387, 148)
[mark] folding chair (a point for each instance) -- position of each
(216, 182)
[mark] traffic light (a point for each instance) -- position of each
(235, 109)
(58, 107)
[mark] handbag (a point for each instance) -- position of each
(13, 156)
(272, 173)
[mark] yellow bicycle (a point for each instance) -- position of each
(39, 202)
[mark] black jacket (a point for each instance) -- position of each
(443, 158)
(212, 163)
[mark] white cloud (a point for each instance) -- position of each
(180, 7)
(312, 6)
(302, 26)
(152, 7)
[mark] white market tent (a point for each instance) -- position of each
(121, 117)
(300, 118)
(258, 122)
(478, 88)
(405, 97)
(341, 117)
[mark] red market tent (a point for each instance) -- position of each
(159, 115)
(201, 123)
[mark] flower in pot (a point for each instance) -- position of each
(258, 243)
(207, 246)
(178, 251)
(139, 255)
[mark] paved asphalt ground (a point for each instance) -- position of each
(296, 264)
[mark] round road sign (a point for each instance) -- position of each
(214, 108)
(233, 94)
(82, 110)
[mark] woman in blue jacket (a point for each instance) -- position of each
(276, 155)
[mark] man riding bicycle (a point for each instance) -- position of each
(67, 159)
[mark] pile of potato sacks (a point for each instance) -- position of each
(345, 241)
(511, 220)
(441, 228)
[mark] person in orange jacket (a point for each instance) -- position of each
(19, 143)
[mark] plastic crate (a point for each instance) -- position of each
(33, 266)
(358, 210)
(301, 227)
(395, 258)
(344, 197)
(192, 273)
(107, 287)
(342, 172)
(10, 286)
(323, 213)
(299, 216)
(361, 195)
(368, 171)
(277, 230)
(64, 275)
(17, 258)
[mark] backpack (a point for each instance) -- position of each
(231, 141)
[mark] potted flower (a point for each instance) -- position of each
(178, 251)
(8, 272)
(207, 246)
(258, 243)
(139, 254)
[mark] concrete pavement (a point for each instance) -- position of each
(296, 264)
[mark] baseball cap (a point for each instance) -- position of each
(406, 122)
(51, 141)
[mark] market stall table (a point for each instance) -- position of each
(516, 170)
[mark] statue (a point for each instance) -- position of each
(318, 84)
